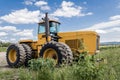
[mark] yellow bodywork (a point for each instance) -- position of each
(78, 41)
(81, 40)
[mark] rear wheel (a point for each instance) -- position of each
(60, 52)
(28, 53)
(15, 55)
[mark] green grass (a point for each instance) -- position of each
(108, 69)
(111, 57)
(3, 49)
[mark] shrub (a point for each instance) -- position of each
(84, 69)
(43, 68)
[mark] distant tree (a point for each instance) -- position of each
(4, 44)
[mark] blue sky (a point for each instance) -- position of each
(19, 18)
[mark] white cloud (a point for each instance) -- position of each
(45, 8)
(9, 28)
(13, 40)
(89, 13)
(22, 16)
(116, 17)
(42, 4)
(28, 2)
(101, 31)
(53, 17)
(110, 36)
(114, 29)
(3, 34)
(3, 40)
(109, 30)
(12, 34)
(24, 38)
(69, 9)
(104, 25)
(25, 33)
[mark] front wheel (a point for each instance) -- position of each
(60, 52)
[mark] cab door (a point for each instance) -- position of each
(41, 34)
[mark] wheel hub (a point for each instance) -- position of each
(12, 55)
(51, 53)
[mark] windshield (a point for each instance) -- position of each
(54, 27)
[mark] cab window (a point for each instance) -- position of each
(41, 28)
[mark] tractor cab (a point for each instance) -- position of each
(53, 27)
(48, 29)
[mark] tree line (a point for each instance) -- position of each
(4, 44)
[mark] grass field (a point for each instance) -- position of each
(3, 49)
(111, 57)
(107, 69)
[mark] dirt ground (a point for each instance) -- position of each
(3, 63)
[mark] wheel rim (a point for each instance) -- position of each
(51, 53)
(12, 55)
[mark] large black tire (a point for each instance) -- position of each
(28, 53)
(64, 53)
(15, 55)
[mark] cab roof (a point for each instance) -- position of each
(49, 21)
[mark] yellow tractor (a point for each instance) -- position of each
(62, 46)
